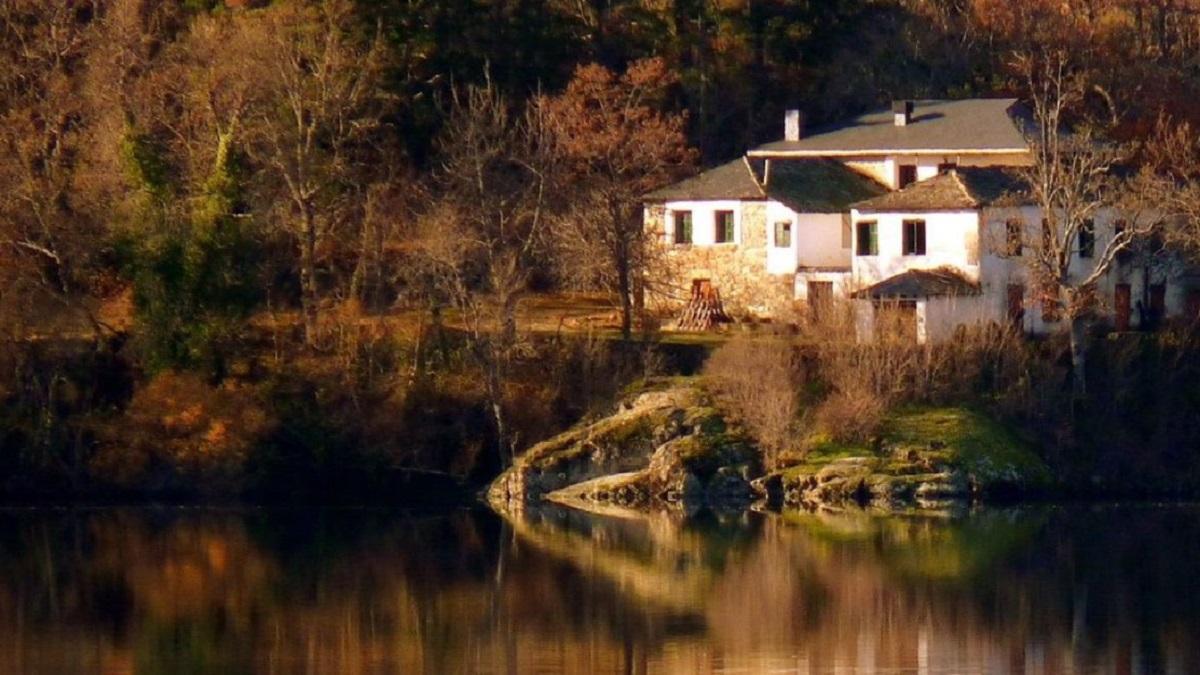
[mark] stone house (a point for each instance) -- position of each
(911, 208)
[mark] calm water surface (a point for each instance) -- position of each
(1031, 590)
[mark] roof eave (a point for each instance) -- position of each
(924, 209)
(770, 154)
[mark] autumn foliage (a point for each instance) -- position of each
(178, 429)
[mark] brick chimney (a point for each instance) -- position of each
(902, 112)
(793, 125)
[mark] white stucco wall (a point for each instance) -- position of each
(951, 239)
(781, 260)
(943, 315)
(704, 228)
(820, 241)
(999, 271)
(816, 240)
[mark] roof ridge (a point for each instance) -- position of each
(754, 177)
(958, 181)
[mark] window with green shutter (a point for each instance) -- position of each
(724, 225)
(868, 238)
(683, 227)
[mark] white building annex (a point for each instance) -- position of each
(912, 208)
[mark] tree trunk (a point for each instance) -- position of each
(495, 391)
(1078, 357)
(625, 289)
(308, 276)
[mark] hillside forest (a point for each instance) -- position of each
(290, 249)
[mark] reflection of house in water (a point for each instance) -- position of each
(1053, 591)
(863, 211)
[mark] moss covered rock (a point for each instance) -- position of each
(667, 446)
(924, 457)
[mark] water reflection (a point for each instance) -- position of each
(1049, 590)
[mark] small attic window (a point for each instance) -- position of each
(783, 234)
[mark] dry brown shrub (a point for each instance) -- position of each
(851, 415)
(178, 425)
(758, 380)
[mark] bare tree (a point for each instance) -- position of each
(1074, 183)
(320, 104)
(47, 223)
(485, 232)
(619, 145)
(1170, 177)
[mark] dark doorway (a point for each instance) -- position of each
(1016, 306)
(1158, 301)
(1122, 306)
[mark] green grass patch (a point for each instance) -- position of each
(914, 439)
(967, 439)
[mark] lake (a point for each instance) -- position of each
(1045, 589)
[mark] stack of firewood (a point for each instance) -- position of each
(704, 309)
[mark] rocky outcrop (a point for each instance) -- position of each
(925, 458)
(668, 447)
(870, 481)
(671, 449)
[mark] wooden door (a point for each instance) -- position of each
(1121, 306)
(1016, 306)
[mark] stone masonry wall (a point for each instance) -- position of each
(738, 271)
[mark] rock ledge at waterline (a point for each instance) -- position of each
(672, 448)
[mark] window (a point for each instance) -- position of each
(783, 234)
(908, 175)
(868, 238)
(724, 224)
(914, 237)
(1087, 239)
(1013, 240)
(1016, 306)
(683, 227)
(946, 167)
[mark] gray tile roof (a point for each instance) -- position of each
(977, 124)
(819, 185)
(921, 284)
(958, 189)
(733, 180)
(805, 186)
